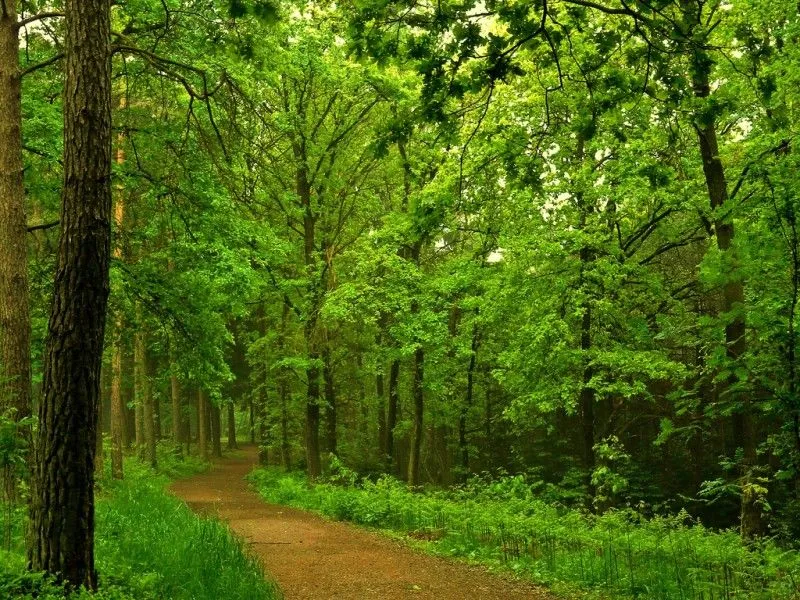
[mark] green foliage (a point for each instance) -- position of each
(503, 522)
(149, 545)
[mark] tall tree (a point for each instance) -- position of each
(15, 340)
(62, 503)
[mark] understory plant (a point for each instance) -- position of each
(620, 553)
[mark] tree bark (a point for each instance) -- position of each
(62, 502)
(15, 337)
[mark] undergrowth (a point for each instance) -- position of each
(620, 553)
(149, 545)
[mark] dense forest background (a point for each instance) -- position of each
(556, 239)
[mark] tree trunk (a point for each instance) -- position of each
(145, 400)
(391, 413)
(15, 337)
(202, 424)
(216, 430)
(118, 433)
(752, 523)
(62, 502)
(177, 417)
(330, 402)
(252, 409)
(232, 445)
(313, 463)
(417, 430)
(380, 393)
(468, 401)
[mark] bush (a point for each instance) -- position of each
(148, 545)
(503, 522)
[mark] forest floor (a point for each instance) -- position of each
(312, 558)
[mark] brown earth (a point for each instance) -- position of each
(314, 559)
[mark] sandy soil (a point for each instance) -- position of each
(312, 558)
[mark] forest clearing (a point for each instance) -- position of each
(399, 299)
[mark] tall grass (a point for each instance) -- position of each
(149, 545)
(620, 553)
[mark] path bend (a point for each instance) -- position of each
(315, 559)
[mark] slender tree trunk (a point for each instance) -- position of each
(177, 417)
(380, 393)
(391, 413)
(252, 409)
(284, 390)
(145, 400)
(330, 402)
(313, 463)
(216, 430)
(118, 433)
(202, 424)
(139, 424)
(752, 523)
(62, 502)
(417, 430)
(468, 401)
(15, 337)
(232, 445)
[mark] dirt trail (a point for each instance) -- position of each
(315, 559)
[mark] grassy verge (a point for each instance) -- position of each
(619, 554)
(149, 545)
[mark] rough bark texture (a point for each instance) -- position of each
(15, 373)
(62, 502)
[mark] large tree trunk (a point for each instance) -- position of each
(202, 424)
(62, 502)
(15, 340)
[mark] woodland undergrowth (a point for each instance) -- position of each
(148, 545)
(619, 554)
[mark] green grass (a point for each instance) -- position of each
(149, 545)
(619, 554)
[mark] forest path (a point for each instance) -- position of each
(311, 558)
